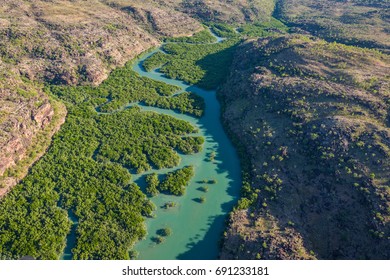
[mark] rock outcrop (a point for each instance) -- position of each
(27, 124)
(163, 21)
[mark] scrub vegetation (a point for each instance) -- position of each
(203, 65)
(263, 29)
(176, 181)
(223, 30)
(202, 37)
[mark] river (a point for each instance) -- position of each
(196, 227)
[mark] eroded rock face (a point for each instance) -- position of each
(43, 115)
(22, 120)
(163, 21)
(10, 152)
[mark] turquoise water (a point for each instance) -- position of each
(196, 227)
(71, 238)
(219, 39)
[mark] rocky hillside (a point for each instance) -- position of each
(311, 120)
(28, 120)
(69, 42)
(238, 11)
(157, 17)
(355, 22)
